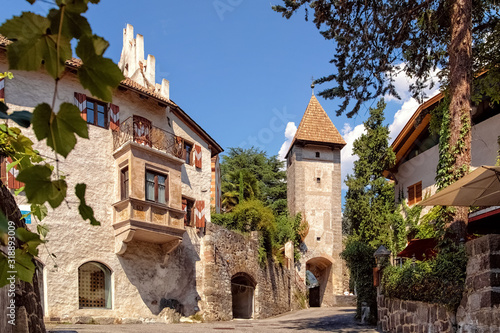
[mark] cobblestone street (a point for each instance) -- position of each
(310, 320)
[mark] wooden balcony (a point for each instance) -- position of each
(146, 221)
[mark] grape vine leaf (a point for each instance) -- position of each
(39, 187)
(60, 133)
(98, 74)
(34, 45)
(30, 239)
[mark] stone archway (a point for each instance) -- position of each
(320, 267)
(242, 292)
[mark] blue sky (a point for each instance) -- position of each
(239, 69)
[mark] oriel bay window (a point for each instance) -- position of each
(157, 187)
(124, 179)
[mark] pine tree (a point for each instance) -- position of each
(370, 198)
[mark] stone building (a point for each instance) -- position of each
(314, 190)
(152, 175)
(148, 169)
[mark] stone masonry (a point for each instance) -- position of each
(479, 310)
(225, 254)
(314, 190)
(398, 316)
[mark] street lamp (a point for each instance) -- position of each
(381, 255)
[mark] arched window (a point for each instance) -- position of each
(94, 285)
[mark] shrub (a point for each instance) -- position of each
(439, 280)
(360, 261)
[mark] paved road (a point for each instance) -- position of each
(310, 320)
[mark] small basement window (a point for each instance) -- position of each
(94, 286)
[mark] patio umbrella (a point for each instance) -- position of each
(481, 187)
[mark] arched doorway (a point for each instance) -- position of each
(242, 291)
(319, 271)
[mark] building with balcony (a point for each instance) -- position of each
(151, 173)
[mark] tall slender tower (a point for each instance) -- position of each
(314, 182)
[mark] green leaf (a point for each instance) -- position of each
(8, 75)
(4, 268)
(4, 229)
(19, 190)
(74, 25)
(34, 46)
(60, 134)
(43, 230)
(30, 239)
(98, 74)
(24, 266)
(13, 164)
(41, 121)
(39, 210)
(86, 212)
(39, 187)
(74, 6)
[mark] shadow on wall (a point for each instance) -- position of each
(164, 281)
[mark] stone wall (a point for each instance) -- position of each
(410, 316)
(226, 254)
(479, 310)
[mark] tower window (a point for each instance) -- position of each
(318, 180)
(317, 154)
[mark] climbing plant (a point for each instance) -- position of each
(36, 43)
(498, 153)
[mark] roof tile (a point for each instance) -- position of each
(317, 126)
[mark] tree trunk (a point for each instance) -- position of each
(460, 67)
(29, 313)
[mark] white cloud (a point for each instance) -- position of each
(402, 84)
(401, 117)
(350, 135)
(409, 104)
(289, 134)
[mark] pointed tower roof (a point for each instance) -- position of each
(316, 127)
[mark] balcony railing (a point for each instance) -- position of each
(138, 129)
